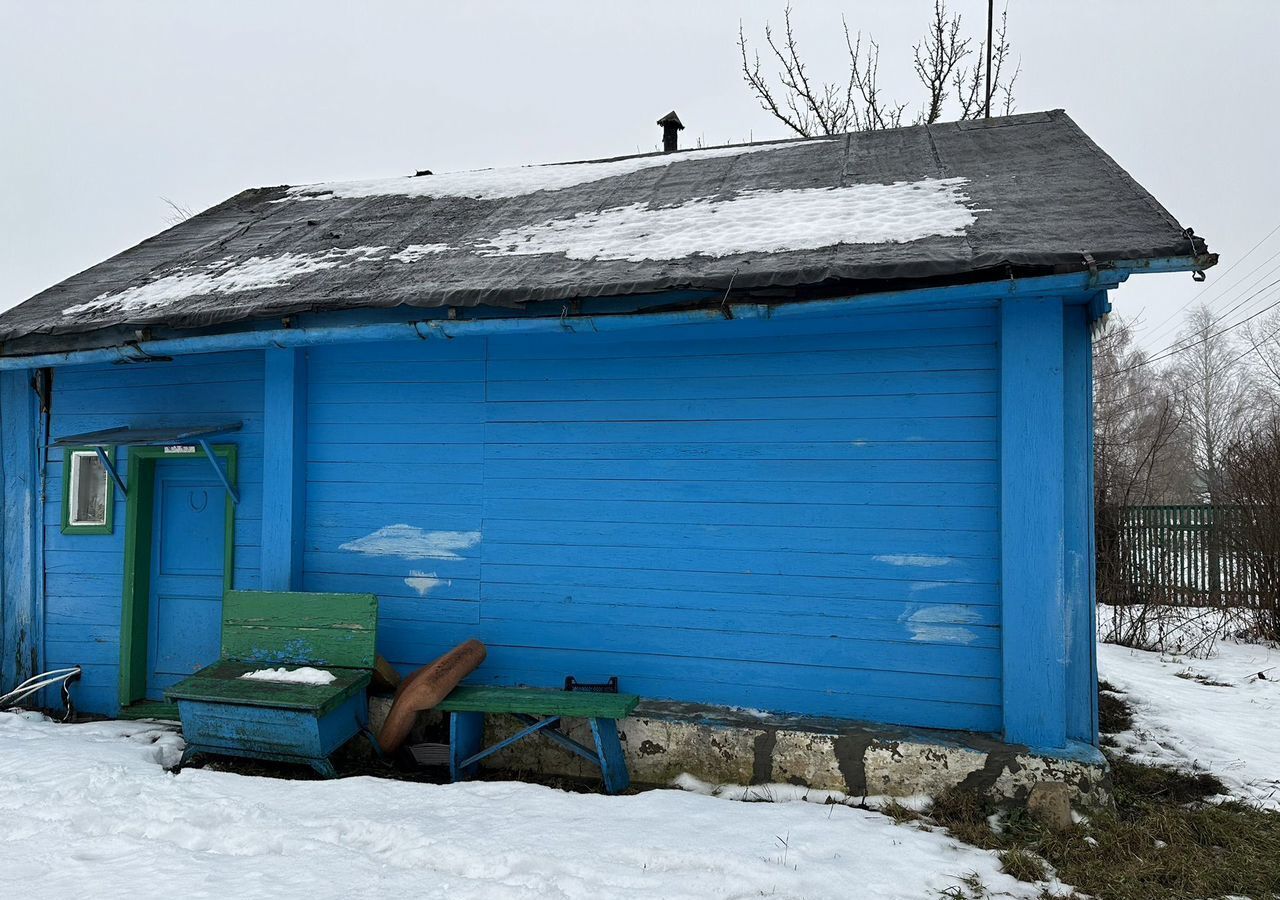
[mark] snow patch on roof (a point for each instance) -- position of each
(415, 252)
(751, 221)
(494, 184)
(222, 277)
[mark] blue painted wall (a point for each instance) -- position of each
(83, 573)
(797, 514)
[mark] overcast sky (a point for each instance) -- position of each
(109, 107)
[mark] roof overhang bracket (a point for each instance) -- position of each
(217, 467)
(126, 436)
(105, 459)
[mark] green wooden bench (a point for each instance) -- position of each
(225, 713)
(539, 709)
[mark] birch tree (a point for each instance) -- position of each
(1215, 392)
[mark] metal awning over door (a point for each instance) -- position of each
(178, 439)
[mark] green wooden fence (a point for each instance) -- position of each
(1188, 555)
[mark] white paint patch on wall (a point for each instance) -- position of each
(494, 184)
(941, 623)
(750, 221)
(411, 542)
(908, 559)
(424, 582)
(222, 277)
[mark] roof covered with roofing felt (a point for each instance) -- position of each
(951, 201)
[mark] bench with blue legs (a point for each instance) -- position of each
(539, 710)
(223, 712)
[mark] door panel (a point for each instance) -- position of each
(188, 553)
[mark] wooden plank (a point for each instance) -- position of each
(222, 683)
(815, 513)
(891, 565)
(973, 428)
(598, 601)
(818, 363)
(747, 449)
(976, 544)
(149, 709)
(1032, 522)
(860, 330)
(466, 739)
(815, 588)
(1079, 564)
(613, 765)
(255, 731)
(283, 472)
(280, 626)
(738, 409)
(538, 702)
(21, 618)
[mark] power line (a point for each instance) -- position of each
(1226, 314)
(1243, 301)
(1173, 349)
(1236, 290)
(1221, 281)
(1183, 388)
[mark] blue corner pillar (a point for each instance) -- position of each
(284, 432)
(1033, 477)
(21, 616)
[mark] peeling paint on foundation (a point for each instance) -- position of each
(809, 759)
(899, 768)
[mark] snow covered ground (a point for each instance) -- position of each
(1214, 714)
(88, 811)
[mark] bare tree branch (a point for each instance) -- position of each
(810, 107)
(178, 212)
(936, 57)
(760, 87)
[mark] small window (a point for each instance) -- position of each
(88, 493)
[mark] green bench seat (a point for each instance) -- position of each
(224, 713)
(224, 682)
(539, 710)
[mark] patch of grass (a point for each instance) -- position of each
(1201, 678)
(1023, 865)
(965, 814)
(969, 888)
(1160, 839)
(1137, 787)
(896, 811)
(1114, 713)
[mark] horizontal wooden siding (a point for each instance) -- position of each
(84, 573)
(793, 515)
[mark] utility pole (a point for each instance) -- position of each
(991, 13)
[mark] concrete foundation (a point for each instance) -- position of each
(663, 740)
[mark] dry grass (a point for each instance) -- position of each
(1159, 840)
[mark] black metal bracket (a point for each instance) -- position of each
(606, 687)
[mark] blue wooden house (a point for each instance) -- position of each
(801, 427)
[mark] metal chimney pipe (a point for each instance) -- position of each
(671, 126)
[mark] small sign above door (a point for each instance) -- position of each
(179, 448)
